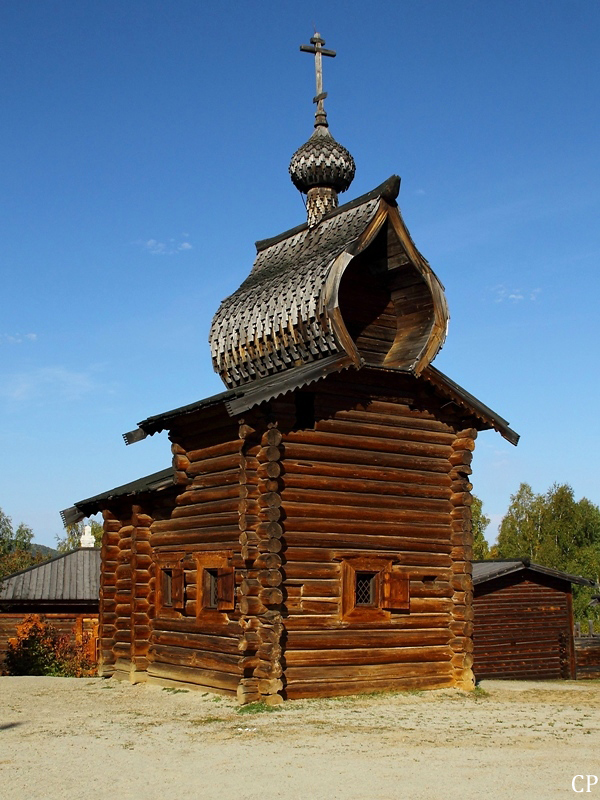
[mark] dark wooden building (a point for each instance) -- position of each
(315, 535)
(65, 590)
(523, 625)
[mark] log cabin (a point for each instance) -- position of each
(523, 623)
(64, 590)
(314, 535)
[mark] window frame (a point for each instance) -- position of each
(390, 590)
(171, 563)
(220, 562)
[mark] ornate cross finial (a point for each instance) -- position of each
(316, 47)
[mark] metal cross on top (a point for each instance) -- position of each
(316, 47)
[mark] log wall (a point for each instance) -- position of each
(290, 496)
(190, 644)
(523, 628)
(387, 480)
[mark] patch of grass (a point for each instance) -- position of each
(173, 690)
(257, 708)
(479, 693)
(217, 699)
(205, 720)
(107, 686)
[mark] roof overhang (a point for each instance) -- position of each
(155, 482)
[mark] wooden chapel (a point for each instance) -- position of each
(313, 537)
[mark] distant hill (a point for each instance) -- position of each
(47, 552)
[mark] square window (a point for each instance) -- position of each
(365, 588)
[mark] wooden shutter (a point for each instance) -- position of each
(225, 589)
(394, 591)
(177, 593)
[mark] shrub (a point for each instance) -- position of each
(39, 649)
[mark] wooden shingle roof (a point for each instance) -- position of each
(287, 315)
(71, 577)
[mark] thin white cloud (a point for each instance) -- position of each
(169, 248)
(17, 338)
(501, 294)
(48, 383)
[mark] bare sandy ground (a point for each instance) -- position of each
(99, 739)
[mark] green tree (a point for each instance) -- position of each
(479, 522)
(15, 547)
(73, 533)
(556, 531)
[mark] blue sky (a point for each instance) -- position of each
(145, 147)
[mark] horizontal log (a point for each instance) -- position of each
(221, 627)
(201, 677)
(359, 457)
(382, 638)
(226, 505)
(312, 689)
(225, 448)
(373, 473)
(390, 414)
(372, 444)
(323, 605)
(384, 498)
(207, 536)
(212, 465)
(202, 659)
(220, 478)
(210, 494)
(385, 427)
(196, 522)
(357, 533)
(382, 515)
(366, 656)
(370, 671)
(356, 491)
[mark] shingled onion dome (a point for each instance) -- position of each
(320, 169)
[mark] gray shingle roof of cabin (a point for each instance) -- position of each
(489, 570)
(71, 577)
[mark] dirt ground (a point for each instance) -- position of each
(100, 739)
